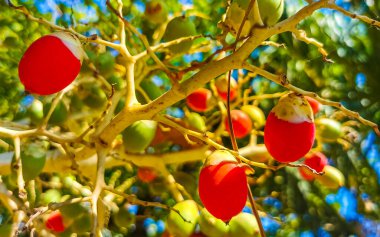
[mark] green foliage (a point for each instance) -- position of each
(351, 44)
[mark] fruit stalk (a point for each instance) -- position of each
(233, 138)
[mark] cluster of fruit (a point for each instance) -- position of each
(242, 225)
(53, 62)
(289, 135)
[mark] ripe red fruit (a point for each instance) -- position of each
(51, 63)
(316, 161)
(55, 222)
(221, 85)
(241, 123)
(146, 174)
(223, 185)
(199, 100)
(314, 104)
(290, 130)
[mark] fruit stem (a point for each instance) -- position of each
(232, 133)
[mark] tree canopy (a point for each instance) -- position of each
(123, 150)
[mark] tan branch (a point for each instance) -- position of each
(282, 80)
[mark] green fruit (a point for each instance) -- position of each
(120, 105)
(139, 135)
(271, 11)
(156, 11)
(105, 63)
(211, 226)
(96, 97)
(186, 180)
(123, 218)
(59, 114)
(244, 225)
(51, 195)
(73, 211)
(10, 42)
(5, 230)
(328, 130)
(76, 104)
(332, 178)
(82, 224)
(177, 28)
(256, 114)
(196, 121)
(258, 153)
(117, 82)
(151, 89)
(36, 112)
(33, 158)
(175, 223)
(235, 14)
(67, 233)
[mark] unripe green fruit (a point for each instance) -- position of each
(120, 105)
(177, 28)
(33, 158)
(156, 11)
(332, 178)
(5, 230)
(123, 218)
(105, 63)
(73, 211)
(256, 114)
(76, 104)
(271, 11)
(196, 121)
(235, 14)
(151, 89)
(10, 42)
(51, 195)
(211, 226)
(117, 82)
(244, 225)
(186, 180)
(328, 130)
(82, 224)
(36, 112)
(139, 135)
(175, 223)
(59, 114)
(96, 97)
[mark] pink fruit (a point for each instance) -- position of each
(290, 130)
(51, 63)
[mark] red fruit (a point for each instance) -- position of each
(55, 222)
(51, 63)
(306, 173)
(290, 130)
(316, 161)
(223, 185)
(146, 174)
(221, 85)
(199, 100)
(314, 104)
(241, 123)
